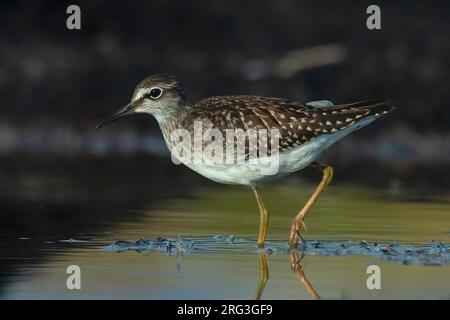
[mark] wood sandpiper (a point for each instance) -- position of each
(305, 130)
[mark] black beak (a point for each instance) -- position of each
(120, 113)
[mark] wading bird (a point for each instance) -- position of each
(305, 130)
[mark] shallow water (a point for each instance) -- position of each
(51, 221)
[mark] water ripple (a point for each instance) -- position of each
(434, 253)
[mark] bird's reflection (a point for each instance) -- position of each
(295, 259)
(178, 247)
(263, 275)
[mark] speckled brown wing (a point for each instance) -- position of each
(297, 123)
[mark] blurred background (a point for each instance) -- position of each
(56, 84)
(59, 177)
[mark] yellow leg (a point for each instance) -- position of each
(263, 275)
(263, 217)
(298, 223)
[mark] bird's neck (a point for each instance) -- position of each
(172, 119)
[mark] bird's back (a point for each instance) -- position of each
(296, 122)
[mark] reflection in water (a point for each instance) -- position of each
(41, 213)
(295, 257)
(263, 275)
(437, 253)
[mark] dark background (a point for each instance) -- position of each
(56, 84)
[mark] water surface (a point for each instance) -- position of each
(52, 221)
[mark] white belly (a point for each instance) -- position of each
(248, 173)
(288, 161)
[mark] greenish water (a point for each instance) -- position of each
(46, 234)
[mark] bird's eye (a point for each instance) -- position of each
(155, 93)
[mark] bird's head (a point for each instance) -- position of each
(159, 95)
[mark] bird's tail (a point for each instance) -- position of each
(339, 117)
(372, 108)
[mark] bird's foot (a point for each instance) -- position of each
(295, 235)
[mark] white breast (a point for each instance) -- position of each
(288, 161)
